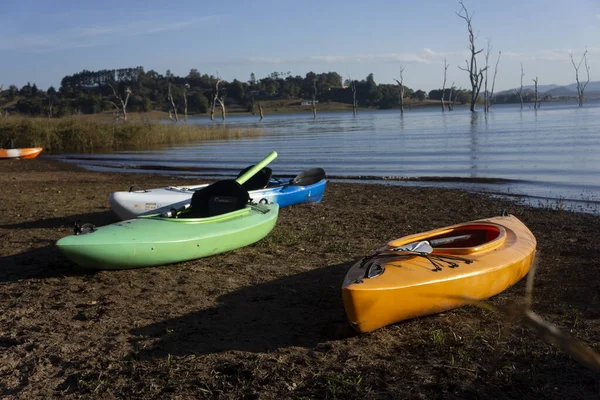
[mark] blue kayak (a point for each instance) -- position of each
(308, 187)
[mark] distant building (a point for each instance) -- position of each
(308, 102)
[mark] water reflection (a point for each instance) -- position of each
(473, 145)
(508, 143)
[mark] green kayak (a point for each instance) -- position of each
(155, 240)
(219, 218)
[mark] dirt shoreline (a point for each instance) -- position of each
(267, 321)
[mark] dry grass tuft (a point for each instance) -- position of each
(521, 312)
(86, 135)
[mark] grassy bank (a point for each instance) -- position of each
(84, 134)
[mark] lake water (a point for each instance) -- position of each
(551, 156)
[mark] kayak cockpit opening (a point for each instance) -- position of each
(461, 239)
(466, 236)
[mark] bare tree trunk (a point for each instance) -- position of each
(214, 100)
(581, 85)
(535, 104)
(314, 99)
(353, 88)
(185, 108)
(485, 85)
(449, 105)
(444, 86)
(494, 81)
(541, 100)
(173, 107)
(354, 101)
(475, 74)
(222, 104)
(455, 96)
(123, 103)
(50, 105)
(260, 110)
(520, 91)
(401, 89)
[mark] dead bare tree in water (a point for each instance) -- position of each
(401, 89)
(314, 99)
(535, 99)
(352, 85)
(494, 80)
(581, 85)
(485, 85)
(487, 95)
(122, 107)
(475, 74)
(260, 110)
(217, 99)
(520, 91)
(456, 93)
(221, 101)
(446, 65)
(173, 112)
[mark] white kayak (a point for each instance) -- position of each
(307, 187)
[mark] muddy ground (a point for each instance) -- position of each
(267, 321)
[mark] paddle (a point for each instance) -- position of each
(259, 181)
(253, 170)
(309, 177)
(222, 196)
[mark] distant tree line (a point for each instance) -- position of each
(89, 92)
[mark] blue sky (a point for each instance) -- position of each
(42, 41)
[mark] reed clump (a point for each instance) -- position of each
(86, 135)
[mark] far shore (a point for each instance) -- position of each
(269, 107)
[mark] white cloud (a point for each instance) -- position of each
(426, 56)
(92, 36)
(557, 54)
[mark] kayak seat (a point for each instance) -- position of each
(219, 198)
(259, 181)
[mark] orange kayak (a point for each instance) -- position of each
(435, 271)
(24, 153)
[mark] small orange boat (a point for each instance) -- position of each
(435, 271)
(24, 153)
